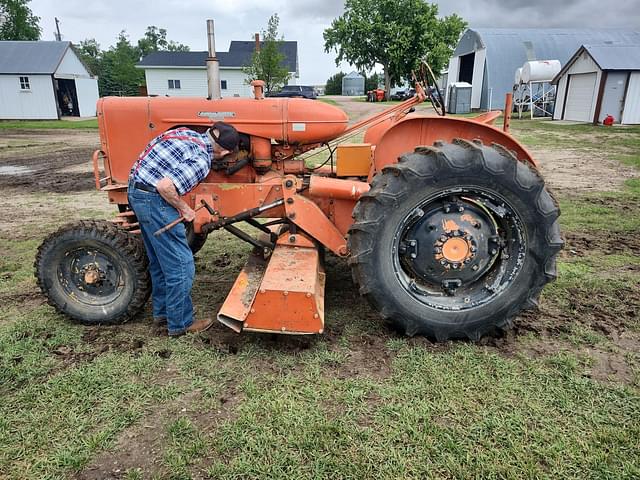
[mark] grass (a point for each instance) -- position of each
(49, 124)
(357, 402)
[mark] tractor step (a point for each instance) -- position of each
(282, 295)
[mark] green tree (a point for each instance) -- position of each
(17, 22)
(91, 55)
(393, 33)
(372, 82)
(119, 73)
(155, 39)
(334, 84)
(268, 63)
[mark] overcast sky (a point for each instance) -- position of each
(300, 20)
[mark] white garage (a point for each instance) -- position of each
(580, 94)
(43, 81)
(598, 81)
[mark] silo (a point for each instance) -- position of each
(353, 84)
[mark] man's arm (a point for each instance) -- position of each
(167, 190)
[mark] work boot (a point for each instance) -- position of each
(196, 327)
(159, 321)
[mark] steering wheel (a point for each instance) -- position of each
(424, 77)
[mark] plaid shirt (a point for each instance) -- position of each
(182, 155)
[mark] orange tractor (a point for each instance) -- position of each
(445, 222)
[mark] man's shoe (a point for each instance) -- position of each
(200, 325)
(196, 327)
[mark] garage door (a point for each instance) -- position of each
(582, 90)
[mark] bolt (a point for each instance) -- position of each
(467, 261)
(475, 268)
(288, 183)
(467, 299)
(292, 238)
(253, 310)
(447, 209)
(412, 243)
(455, 266)
(262, 290)
(493, 251)
(461, 209)
(308, 295)
(284, 329)
(472, 248)
(315, 315)
(443, 262)
(285, 293)
(289, 200)
(477, 225)
(443, 238)
(437, 250)
(413, 255)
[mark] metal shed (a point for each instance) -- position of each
(600, 80)
(488, 57)
(353, 84)
(44, 80)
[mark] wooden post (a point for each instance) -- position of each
(508, 106)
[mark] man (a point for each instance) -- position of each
(171, 166)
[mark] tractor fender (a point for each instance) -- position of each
(393, 139)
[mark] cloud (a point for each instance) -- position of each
(300, 20)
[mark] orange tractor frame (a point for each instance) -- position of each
(463, 258)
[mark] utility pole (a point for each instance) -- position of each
(58, 36)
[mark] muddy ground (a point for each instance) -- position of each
(35, 165)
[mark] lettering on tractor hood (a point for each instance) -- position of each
(217, 115)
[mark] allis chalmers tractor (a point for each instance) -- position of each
(445, 222)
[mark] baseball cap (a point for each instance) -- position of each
(227, 136)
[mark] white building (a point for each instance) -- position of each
(44, 81)
(600, 80)
(184, 74)
(487, 58)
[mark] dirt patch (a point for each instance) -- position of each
(582, 244)
(574, 171)
(47, 160)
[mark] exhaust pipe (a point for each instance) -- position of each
(213, 66)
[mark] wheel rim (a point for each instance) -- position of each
(91, 276)
(459, 249)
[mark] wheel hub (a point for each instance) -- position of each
(451, 244)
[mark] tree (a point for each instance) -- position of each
(268, 63)
(91, 55)
(155, 39)
(372, 82)
(119, 73)
(17, 22)
(334, 84)
(393, 33)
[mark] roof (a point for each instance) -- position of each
(41, 57)
(615, 57)
(607, 57)
(239, 55)
(353, 74)
(510, 48)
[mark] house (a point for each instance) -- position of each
(487, 58)
(600, 80)
(44, 80)
(185, 73)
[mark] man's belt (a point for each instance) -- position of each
(145, 187)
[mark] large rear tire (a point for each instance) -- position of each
(454, 240)
(195, 240)
(94, 271)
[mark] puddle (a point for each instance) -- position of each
(14, 170)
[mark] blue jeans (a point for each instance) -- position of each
(170, 259)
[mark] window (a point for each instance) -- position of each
(223, 84)
(174, 84)
(24, 83)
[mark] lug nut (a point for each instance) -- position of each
(475, 268)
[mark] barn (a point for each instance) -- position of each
(43, 80)
(487, 58)
(600, 80)
(184, 74)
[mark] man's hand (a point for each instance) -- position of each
(188, 214)
(167, 190)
